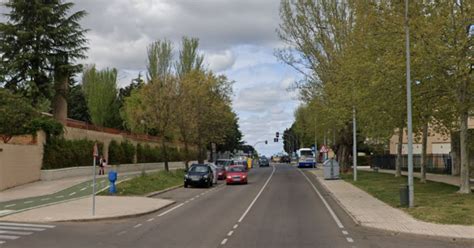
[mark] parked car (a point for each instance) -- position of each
(236, 174)
(199, 175)
(263, 162)
(221, 174)
(214, 172)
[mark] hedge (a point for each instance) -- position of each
(148, 154)
(122, 153)
(61, 153)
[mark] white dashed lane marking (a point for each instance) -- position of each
(150, 220)
(45, 199)
(345, 232)
(11, 205)
(137, 225)
(350, 240)
(171, 209)
(28, 202)
(73, 193)
(236, 225)
(230, 233)
(224, 241)
(83, 188)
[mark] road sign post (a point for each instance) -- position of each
(95, 154)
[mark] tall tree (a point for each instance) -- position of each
(100, 90)
(39, 46)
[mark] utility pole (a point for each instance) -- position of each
(354, 141)
(411, 192)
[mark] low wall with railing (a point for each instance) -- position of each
(48, 175)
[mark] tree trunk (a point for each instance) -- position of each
(61, 80)
(200, 154)
(398, 165)
(423, 153)
(465, 188)
(186, 154)
(165, 154)
(455, 156)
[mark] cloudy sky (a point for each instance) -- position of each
(237, 38)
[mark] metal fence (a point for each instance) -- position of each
(435, 163)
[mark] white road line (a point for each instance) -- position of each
(73, 193)
(334, 216)
(345, 232)
(350, 240)
(11, 205)
(45, 199)
(15, 232)
(192, 199)
(171, 209)
(28, 202)
(236, 225)
(137, 226)
(256, 197)
(224, 241)
(186, 201)
(230, 233)
(21, 228)
(151, 219)
(122, 232)
(25, 225)
(8, 237)
(83, 188)
(59, 196)
(2, 242)
(197, 196)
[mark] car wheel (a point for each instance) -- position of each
(185, 185)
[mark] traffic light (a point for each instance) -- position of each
(275, 139)
(266, 142)
(277, 134)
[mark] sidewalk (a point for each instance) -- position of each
(107, 207)
(441, 178)
(43, 188)
(371, 212)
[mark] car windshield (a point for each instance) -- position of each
(236, 169)
(199, 168)
(223, 163)
(240, 163)
(307, 153)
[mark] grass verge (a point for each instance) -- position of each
(434, 202)
(148, 183)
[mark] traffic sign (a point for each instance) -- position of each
(324, 149)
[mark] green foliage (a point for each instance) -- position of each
(62, 153)
(148, 154)
(100, 90)
(77, 105)
(174, 154)
(16, 115)
(29, 50)
(122, 153)
(51, 127)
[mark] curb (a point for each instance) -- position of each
(357, 222)
(163, 191)
(117, 217)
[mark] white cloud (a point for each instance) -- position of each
(220, 61)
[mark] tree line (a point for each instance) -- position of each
(352, 56)
(41, 46)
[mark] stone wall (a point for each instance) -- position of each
(21, 163)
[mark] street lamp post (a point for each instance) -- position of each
(354, 141)
(411, 195)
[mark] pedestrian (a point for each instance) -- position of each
(103, 163)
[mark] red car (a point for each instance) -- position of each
(236, 174)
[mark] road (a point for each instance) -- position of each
(280, 207)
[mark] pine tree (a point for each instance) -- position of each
(39, 46)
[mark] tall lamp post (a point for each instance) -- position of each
(411, 192)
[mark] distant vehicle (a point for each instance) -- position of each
(199, 175)
(224, 162)
(240, 163)
(285, 159)
(236, 174)
(264, 162)
(214, 172)
(306, 158)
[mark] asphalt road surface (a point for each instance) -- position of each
(281, 206)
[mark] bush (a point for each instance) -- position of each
(122, 153)
(16, 115)
(61, 153)
(50, 126)
(174, 155)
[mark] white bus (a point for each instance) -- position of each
(306, 158)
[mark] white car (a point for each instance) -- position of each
(214, 172)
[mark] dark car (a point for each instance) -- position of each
(199, 175)
(286, 159)
(264, 162)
